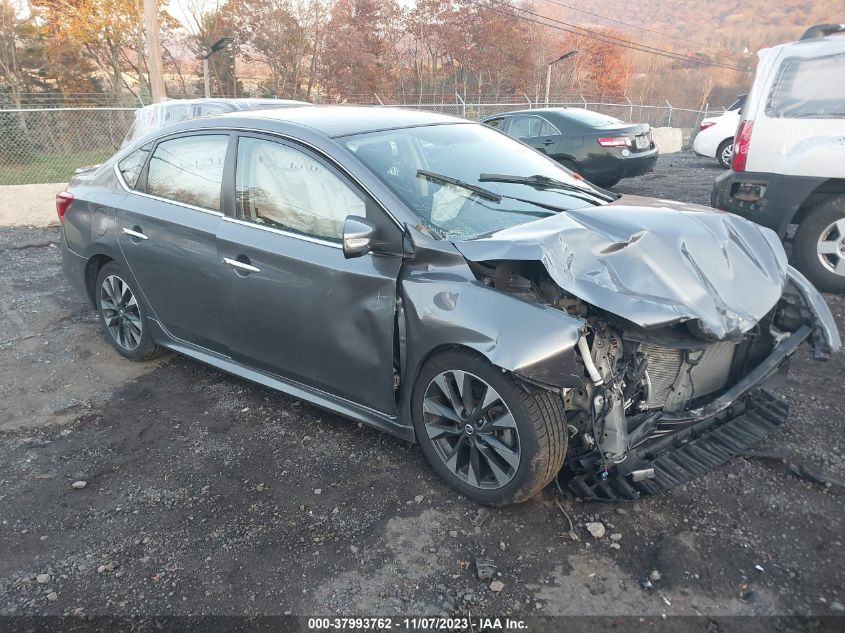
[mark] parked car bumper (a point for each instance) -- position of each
(615, 165)
(702, 147)
(707, 142)
(768, 199)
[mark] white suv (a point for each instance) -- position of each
(788, 163)
(715, 136)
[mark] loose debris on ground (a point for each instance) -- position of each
(172, 488)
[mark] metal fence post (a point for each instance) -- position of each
(669, 122)
(631, 108)
(380, 102)
(530, 104)
(463, 104)
(584, 100)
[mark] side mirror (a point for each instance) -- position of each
(358, 236)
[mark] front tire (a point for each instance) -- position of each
(819, 245)
(123, 315)
(724, 153)
(486, 434)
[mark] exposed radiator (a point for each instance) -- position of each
(665, 363)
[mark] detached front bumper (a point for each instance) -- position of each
(684, 455)
(765, 198)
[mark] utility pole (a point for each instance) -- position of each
(154, 50)
(549, 71)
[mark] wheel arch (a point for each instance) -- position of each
(92, 269)
(729, 139)
(535, 343)
(830, 187)
(563, 159)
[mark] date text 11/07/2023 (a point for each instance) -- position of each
(417, 624)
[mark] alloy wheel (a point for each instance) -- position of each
(121, 312)
(727, 153)
(471, 429)
(831, 247)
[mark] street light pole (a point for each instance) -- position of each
(205, 77)
(219, 45)
(549, 71)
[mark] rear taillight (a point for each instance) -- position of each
(741, 143)
(614, 141)
(704, 126)
(63, 202)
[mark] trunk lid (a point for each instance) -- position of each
(638, 136)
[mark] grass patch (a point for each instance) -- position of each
(49, 167)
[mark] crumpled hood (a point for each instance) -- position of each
(653, 262)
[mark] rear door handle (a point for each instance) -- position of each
(136, 234)
(549, 141)
(240, 265)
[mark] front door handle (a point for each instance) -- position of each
(549, 141)
(136, 233)
(242, 266)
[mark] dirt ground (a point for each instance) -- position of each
(30, 205)
(209, 495)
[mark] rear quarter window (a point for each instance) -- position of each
(131, 165)
(809, 89)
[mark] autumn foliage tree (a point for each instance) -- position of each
(334, 50)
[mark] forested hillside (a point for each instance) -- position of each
(732, 24)
(686, 52)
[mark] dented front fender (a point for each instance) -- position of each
(444, 305)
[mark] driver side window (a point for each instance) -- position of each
(284, 188)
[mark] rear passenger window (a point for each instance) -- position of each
(189, 170)
(547, 129)
(284, 188)
(130, 166)
(525, 127)
(809, 89)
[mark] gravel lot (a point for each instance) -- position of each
(209, 495)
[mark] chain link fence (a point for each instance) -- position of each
(46, 145)
(655, 115)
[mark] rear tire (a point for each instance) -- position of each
(724, 153)
(123, 315)
(571, 165)
(819, 245)
(519, 434)
(605, 184)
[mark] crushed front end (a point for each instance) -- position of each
(661, 407)
(688, 327)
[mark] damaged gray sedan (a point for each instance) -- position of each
(440, 281)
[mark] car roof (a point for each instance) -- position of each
(559, 110)
(340, 120)
(236, 103)
(815, 47)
